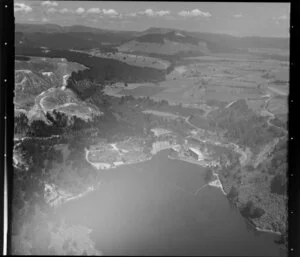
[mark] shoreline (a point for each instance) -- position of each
(268, 231)
(264, 230)
(114, 165)
(215, 183)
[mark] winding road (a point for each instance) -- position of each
(278, 91)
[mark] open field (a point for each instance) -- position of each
(142, 91)
(162, 114)
(219, 78)
(282, 74)
(278, 105)
(224, 57)
(166, 47)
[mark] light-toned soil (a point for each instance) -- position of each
(224, 78)
(278, 106)
(167, 48)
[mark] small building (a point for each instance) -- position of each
(193, 154)
(197, 152)
(160, 131)
(193, 141)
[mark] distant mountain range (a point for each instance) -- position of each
(59, 37)
(236, 42)
(86, 36)
(54, 28)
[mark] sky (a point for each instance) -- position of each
(237, 19)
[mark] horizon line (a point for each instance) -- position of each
(216, 33)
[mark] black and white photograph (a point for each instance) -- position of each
(150, 128)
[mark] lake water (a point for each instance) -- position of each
(151, 209)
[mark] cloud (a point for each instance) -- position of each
(49, 4)
(162, 13)
(134, 14)
(21, 7)
(194, 13)
(107, 12)
(52, 10)
(94, 10)
(45, 20)
(110, 12)
(66, 10)
(150, 13)
(93, 20)
(283, 17)
(238, 15)
(80, 10)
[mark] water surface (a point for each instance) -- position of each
(151, 209)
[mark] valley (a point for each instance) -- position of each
(85, 112)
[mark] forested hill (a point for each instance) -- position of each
(243, 126)
(60, 36)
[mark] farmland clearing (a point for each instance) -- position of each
(216, 79)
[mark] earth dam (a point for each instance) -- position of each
(165, 207)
